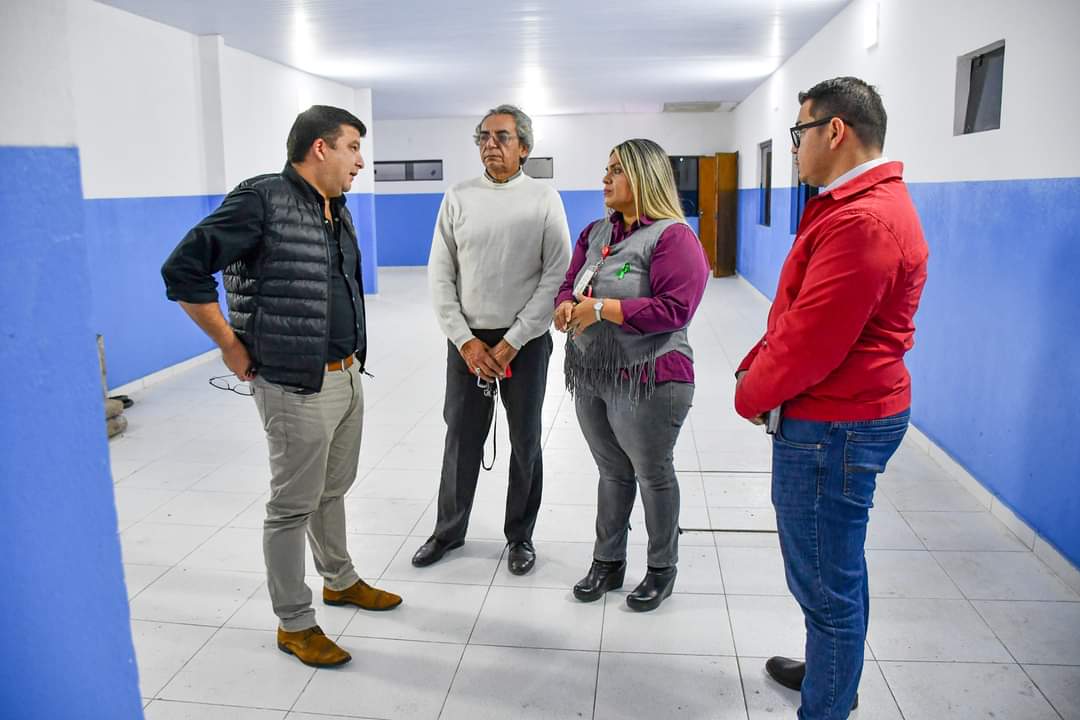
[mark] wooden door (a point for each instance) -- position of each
(727, 208)
(707, 207)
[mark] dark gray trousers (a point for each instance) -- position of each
(635, 447)
(468, 414)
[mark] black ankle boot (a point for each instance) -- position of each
(652, 591)
(603, 576)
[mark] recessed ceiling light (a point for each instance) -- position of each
(871, 23)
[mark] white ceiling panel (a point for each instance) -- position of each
(460, 57)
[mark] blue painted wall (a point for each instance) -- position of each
(761, 250)
(68, 641)
(362, 208)
(127, 240)
(996, 365)
(406, 222)
(582, 207)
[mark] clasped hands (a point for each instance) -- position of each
(484, 361)
(575, 317)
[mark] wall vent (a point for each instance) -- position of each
(700, 106)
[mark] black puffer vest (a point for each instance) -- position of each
(279, 295)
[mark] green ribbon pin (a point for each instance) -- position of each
(623, 270)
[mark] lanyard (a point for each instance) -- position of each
(604, 252)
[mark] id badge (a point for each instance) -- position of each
(583, 282)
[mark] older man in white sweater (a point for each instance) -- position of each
(500, 251)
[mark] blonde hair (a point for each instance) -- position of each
(648, 169)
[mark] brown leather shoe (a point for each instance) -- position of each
(362, 596)
(312, 647)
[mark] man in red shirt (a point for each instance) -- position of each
(832, 361)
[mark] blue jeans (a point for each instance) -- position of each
(823, 480)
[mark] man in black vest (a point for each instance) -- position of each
(291, 265)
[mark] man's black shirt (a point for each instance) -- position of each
(234, 229)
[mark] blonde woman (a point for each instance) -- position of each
(635, 280)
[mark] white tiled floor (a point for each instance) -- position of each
(966, 622)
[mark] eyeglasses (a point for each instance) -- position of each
(502, 137)
(221, 382)
(799, 128)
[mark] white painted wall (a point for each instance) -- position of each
(137, 104)
(260, 101)
(579, 144)
(36, 110)
(914, 68)
(162, 112)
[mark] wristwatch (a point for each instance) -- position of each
(598, 306)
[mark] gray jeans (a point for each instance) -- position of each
(634, 447)
(314, 451)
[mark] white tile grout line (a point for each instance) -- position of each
(971, 604)
(1035, 544)
(599, 654)
(465, 647)
(727, 605)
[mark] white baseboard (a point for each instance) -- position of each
(154, 378)
(1046, 552)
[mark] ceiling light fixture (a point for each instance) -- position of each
(871, 23)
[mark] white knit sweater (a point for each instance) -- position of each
(499, 254)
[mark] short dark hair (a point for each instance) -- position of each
(854, 101)
(319, 121)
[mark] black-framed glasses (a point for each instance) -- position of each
(221, 382)
(799, 128)
(503, 137)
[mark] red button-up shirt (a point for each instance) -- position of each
(844, 311)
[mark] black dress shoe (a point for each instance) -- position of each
(521, 558)
(790, 674)
(603, 575)
(652, 591)
(432, 551)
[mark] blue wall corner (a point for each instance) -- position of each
(994, 369)
(72, 655)
(362, 208)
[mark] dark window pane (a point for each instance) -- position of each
(427, 170)
(387, 171)
(766, 184)
(984, 92)
(685, 169)
(540, 167)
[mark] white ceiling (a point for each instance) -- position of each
(442, 58)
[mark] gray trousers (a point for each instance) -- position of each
(314, 451)
(635, 447)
